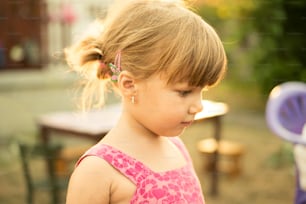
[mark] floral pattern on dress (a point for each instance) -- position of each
(179, 186)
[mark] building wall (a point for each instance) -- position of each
(68, 20)
(34, 31)
(21, 43)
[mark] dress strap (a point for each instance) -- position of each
(128, 166)
(133, 169)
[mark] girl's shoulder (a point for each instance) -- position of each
(88, 175)
(94, 172)
(90, 161)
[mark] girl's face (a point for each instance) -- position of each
(163, 109)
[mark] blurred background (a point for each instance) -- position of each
(266, 45)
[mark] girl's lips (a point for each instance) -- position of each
(187, 123)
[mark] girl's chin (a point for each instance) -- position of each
(174, 134)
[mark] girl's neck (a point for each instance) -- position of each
(128, 129)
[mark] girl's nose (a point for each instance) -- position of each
(196, 107)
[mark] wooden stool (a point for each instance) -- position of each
(229, 154)
(67, 157)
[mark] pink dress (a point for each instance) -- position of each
(179, 186)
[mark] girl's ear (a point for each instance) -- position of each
(126, 84)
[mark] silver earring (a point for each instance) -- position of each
(133, 99)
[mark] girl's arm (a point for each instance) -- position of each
(90, 182)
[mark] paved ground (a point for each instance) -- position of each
(268, 173)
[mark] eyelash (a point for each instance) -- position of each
(184, 93)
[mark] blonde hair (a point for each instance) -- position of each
(153, 37)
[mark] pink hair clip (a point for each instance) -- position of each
(116, 67)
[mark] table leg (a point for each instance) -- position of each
(44, 135)
(215, 172)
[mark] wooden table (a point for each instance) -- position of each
(213, 111)
(91, 125)
(94, 125)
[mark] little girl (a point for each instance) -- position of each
(159, 56)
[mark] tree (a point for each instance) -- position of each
(280, 51)
(265, 39)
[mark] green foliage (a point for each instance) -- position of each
(283, 157)
(265, 40)
(279, 55)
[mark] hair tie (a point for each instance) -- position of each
(101, 71)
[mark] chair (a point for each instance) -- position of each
(286, 117)
(230, 153)
(30, 155)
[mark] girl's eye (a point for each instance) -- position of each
(184, 93)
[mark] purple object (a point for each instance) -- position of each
(286, 111)
(286, 117)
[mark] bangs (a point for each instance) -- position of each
(204, 67)
(192, 55)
